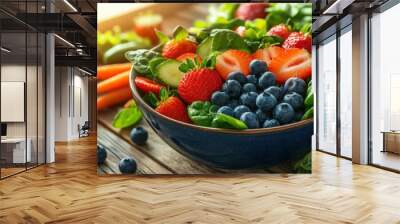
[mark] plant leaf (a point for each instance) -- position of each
(163, 38)
(151, 99)
(180, 33)
(127, 117)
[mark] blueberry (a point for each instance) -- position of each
(127, 165)
(271, 123)
(249, 87)
(250, 119)
(284, 113)
(249, 99)
(238, 76)
(226, 110)
(274, 90)
(266, 80)
(294, 99)
(252, 79)
(261, 116)
(232, 88)
(233, 103)
(101, 154)
(257, 67)
(266, 101)
(295, 85)
(239, 110)
(219, 98)
(139, 135)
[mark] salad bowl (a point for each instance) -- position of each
(226, 148)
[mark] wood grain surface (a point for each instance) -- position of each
(69, 191)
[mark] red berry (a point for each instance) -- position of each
(233, 60)
(174, 48)
(199, 84)
(298, 40)
(174, 108)
(250, 11)
(280, 30)
(267, 54)
(292, 62)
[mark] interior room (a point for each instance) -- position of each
(49, 127)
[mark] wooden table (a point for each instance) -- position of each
(156, 157)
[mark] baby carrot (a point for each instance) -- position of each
(116, 82)
(107, 71)
(113, 98)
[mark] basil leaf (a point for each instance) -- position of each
(127, 117)
(224, 39)
(225, 121)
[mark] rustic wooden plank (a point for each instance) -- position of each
(118, 148)
(157, 149)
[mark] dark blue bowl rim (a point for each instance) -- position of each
(138, 99)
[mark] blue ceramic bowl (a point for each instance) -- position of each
(230, 149)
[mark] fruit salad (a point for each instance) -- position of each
(234, 70)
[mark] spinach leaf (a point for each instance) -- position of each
(141, 59)
(225, 121)
(303, 165)
(127, 117)
(224, 39)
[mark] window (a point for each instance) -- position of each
(327, 95)
(385, 87)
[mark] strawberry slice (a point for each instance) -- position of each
(175, 48)
(233, 60)
(190, 56)
(267, 54)
(293, 62)
(147, 85)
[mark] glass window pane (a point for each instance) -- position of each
(346, 94)
(385, 84)
(327, 96)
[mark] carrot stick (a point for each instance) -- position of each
(116, 82)
(113, 98)
(107, 71)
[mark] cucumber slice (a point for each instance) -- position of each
(169, 72)
(204, 48)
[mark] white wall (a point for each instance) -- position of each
(71, 93)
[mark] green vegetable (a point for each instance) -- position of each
(202, 113)
(224, 39)
(151, 99)
(204, 48)
(296, 15)
(227, 122)
(308, 114)
(141, 60)
(127, 117)
(309, 101)
(116, 54)
(169, 73)
(304, 164)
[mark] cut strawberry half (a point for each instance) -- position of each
(233, 60)
(292, 62)
(267, 54)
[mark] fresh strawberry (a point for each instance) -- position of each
(190, 56)
(298, 40)
(174, 108)
(147, 85)
(250, 11)
(293, 62)
(280, 30)
(175, 48)
(240, 30)
(233, 60)
(199, 84)
(267, 54)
